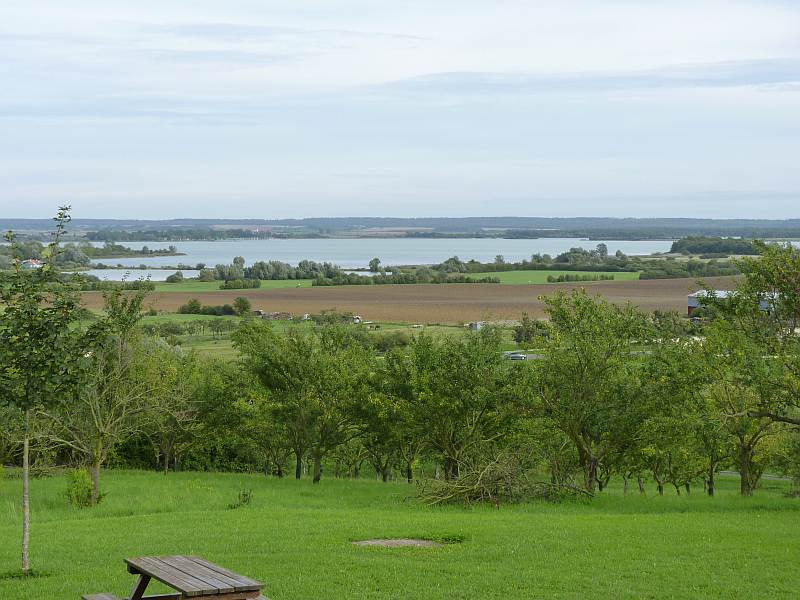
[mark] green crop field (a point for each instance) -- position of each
(523, 277)
(297, 539)
(213, 286)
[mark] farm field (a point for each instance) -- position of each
(221, 346)
(446, 303)
(537, 277)
(297, 538)
(213, 286)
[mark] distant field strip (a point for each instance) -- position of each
(213, 286)
(444, 303)
(533, 277)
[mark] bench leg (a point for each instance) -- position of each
(140, 587)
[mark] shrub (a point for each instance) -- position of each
(176, 277)
(79, 488)
(243, 499)
(388, 341)
(192, 307)
(240, 284)
(241, 306)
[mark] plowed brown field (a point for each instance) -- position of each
(445, 303)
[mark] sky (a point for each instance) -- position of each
(264, 109)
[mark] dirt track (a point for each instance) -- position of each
(451, 303)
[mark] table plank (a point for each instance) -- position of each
(186, 584)
(245, 582)
(223, 583)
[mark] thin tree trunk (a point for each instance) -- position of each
(26, 497)
(640, 481)
(744, 471)
(298, 469)
(688, 487)
(591, 474)
(317, 467)
(625, 485)
(409, 473)
(95, 472)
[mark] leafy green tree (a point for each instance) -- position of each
(742, 380)
(116, 386)
(589, 385)
(528, 330)
(314, 380)
(41, 347)
(772, 281)
(459, 392)
(242, 306)
(676, 388)
(170, 419)
(389, 433)
(375, 265)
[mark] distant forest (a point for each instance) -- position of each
(505, 227)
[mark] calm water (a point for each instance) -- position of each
(356, 253)
(134, 274)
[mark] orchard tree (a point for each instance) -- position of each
(389, 432)
(766, 309)
(676, 384)
(742, 380)
(279, 363)
(118, 380)
(170, 419)
(458, 390)
(589, 384)
(314, 381)
(41, 347)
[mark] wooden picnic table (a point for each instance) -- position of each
(190, 576)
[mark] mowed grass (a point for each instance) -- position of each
(297, 539)
(524, 277)
(213, 286)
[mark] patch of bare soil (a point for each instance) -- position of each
(445, 303)
(399, 543)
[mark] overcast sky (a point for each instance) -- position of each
(266, 109)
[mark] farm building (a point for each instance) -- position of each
(31, 263)
(695, 301)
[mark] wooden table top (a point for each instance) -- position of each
(193, 576)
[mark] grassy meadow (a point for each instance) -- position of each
(525, 277)
(190, 285)
(506, 277)
(297, 539)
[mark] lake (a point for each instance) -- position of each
(134, 274)
(356, 253)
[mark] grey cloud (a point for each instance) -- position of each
(784, 72)
(228, 57)
(235, 32)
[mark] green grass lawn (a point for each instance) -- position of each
(213, 286)
(297, 539)
(523, 277)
